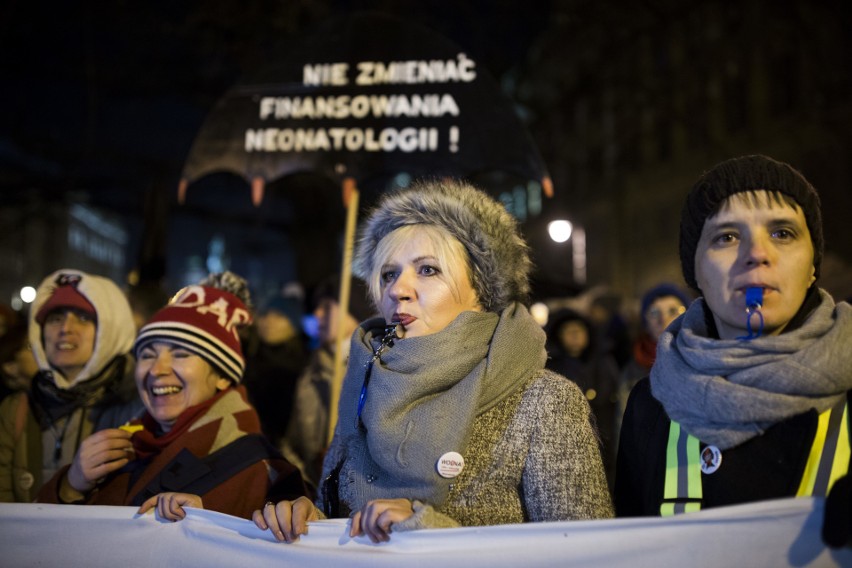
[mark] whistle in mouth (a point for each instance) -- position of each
(754, 298)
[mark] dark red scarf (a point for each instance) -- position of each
(645, 350)
(150, 442)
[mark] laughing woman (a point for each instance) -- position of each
(447, 416)
(199, 442)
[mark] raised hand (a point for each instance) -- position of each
(99, 455)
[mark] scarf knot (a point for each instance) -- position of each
(108, 387)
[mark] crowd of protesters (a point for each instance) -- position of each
(104, 392)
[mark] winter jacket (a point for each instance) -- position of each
(755, 401)
(769, 466)
(229, 420)
(531, 456)
(531, 459)
(60, 412)
(307, 433)
(28, 445)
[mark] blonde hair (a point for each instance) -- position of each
(449, 252)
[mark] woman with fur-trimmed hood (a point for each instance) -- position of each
(447, 417)
(81, 331)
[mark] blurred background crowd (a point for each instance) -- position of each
(626, 103)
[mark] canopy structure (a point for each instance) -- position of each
(366, 96)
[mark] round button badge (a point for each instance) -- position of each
(26, 480)
(450, 465)
(711, 459)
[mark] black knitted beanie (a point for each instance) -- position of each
(735, 176)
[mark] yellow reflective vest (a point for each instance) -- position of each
(827, 462)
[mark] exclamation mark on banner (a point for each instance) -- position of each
(454, 139)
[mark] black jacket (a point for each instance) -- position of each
(769, 466)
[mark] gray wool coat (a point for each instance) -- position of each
(533, 457)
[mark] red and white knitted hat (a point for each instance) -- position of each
(203, 320)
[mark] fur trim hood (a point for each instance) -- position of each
(499, 257)
(115, 332)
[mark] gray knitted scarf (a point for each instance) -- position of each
(727, 391)
(424, 395)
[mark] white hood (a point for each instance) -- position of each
(115, 332)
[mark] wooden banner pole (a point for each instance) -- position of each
(350, 198)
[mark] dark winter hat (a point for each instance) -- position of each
(287, 306)
(566, 315)
(65, 295)
(499, 257)
(737, 175)
(203, 320)
(661, 291)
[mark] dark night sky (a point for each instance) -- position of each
(105, 98)
(110, 95)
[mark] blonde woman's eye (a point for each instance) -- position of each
(428, 270)
(388, 276)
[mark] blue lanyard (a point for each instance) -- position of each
(754, 303)
(391, 334)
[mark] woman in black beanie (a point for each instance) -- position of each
(747, 397)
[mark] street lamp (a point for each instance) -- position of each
(23, 296)
(28, 294)
(560, 230)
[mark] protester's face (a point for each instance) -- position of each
(661, 313)
(327, 314)
(69, 340)
(416, 291)
(20, 370)
(758, 243)
(275, 328)
(171, 379)
(574, 337)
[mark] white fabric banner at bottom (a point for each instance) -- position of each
(772, 534)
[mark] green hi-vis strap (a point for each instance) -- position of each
(829, 457)
(827, 462)
(682, 492)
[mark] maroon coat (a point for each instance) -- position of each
(228, 419)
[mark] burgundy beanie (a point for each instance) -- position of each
(737, 175)
(203, 320)
(65, 295)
